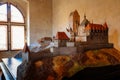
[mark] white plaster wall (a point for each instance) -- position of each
(40, 19)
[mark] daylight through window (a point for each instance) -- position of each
(12, 27)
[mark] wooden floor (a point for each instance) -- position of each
(7, 54)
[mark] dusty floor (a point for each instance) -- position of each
(7, 54)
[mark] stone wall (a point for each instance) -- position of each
(85, 47)
(96, 37)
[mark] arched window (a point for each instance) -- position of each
(12, 27)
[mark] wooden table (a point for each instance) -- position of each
(9, 67)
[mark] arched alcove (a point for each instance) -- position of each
(23, 7)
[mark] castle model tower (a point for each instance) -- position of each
(82, 34)
(74, 21)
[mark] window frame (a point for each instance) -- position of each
(8, 23)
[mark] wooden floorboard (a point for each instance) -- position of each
(7, 54)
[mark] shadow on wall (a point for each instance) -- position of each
(115, 39)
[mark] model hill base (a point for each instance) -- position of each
(99, 64)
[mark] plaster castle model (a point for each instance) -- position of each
(91, 37)
(85, 35)
(93, 33)
(88, 35)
